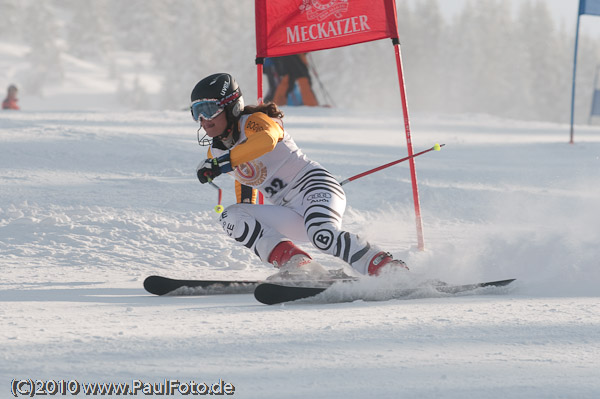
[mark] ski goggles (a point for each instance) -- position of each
(206, 109)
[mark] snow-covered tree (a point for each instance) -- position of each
(41, 33)
(89, 33)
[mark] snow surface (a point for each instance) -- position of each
(93, 202)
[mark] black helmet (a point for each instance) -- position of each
(222, 88)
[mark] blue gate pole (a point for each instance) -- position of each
(574, 74)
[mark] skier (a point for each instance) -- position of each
(10, 102)
(308, 202)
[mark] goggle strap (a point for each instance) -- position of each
(230, 98)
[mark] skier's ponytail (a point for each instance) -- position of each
(270, 108)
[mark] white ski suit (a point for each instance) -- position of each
(308, 203)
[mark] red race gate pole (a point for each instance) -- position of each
(259, 100)
(413, 171)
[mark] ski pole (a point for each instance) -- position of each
(436, 147)
(218, 208)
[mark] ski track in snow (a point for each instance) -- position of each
(91, 203)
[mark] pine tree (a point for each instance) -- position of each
(424, 57)
(89, 33)
(44, 56)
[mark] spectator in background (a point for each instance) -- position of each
(10, 102)
(289, 81)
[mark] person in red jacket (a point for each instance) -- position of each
(10, 102)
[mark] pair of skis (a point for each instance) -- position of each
(274, 292)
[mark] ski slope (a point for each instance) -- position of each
(93, 202)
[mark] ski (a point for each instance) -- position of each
(274, 292)
(271, 293)
(159, 285)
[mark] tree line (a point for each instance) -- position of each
(491, 57)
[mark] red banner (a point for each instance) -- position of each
(285, 27)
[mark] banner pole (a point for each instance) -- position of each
(413, 172)
(571, 141)
(259, 94)
(259, 84)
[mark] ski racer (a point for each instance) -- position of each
(250, 143)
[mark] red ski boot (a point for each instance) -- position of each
(295, 264)
(384, 259)
(285, 252)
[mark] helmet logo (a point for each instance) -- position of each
(225, 87)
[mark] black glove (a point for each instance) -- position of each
(213, 167)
